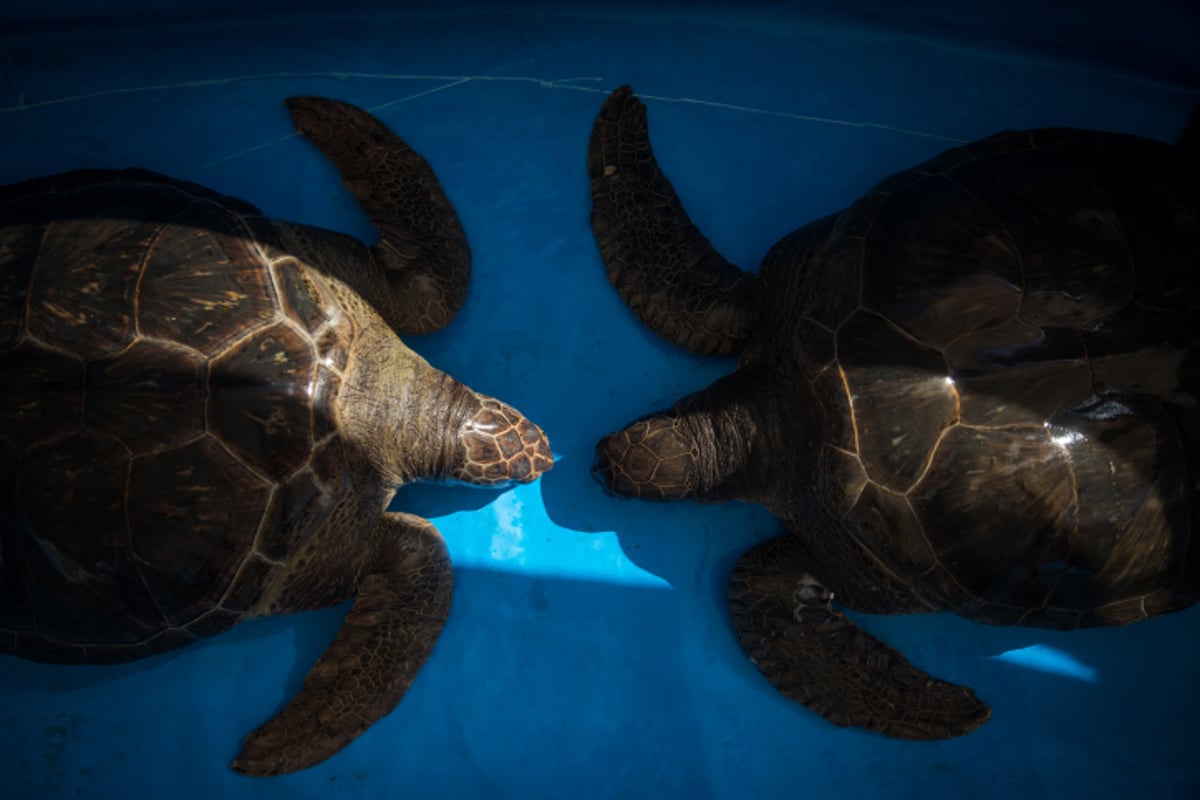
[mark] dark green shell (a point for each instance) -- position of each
(1004, 342)
(167, 414)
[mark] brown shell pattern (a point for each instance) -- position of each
(1004, 341)
(167, 414)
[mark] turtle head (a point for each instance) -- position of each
(655, 458)
(497, 445)
(715, 445)
(693, 451)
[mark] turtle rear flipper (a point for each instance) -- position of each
(401, 607)
(422, 250)
(665, 270)
(820, 658)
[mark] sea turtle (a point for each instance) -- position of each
(973, 390)
(206, 412)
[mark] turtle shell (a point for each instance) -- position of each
(167, 430)
(1004, 342)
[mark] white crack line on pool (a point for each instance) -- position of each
(450, 82)
(803, 117)
(562, 83)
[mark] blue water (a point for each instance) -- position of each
(588, 654)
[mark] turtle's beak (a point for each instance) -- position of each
(602, 467)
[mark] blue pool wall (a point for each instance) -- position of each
(589, 652)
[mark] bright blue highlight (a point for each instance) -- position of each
(1044, 658)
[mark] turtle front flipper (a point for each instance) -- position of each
(665, 270)
(423, 250)
(818, 657)
(402, 604)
